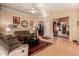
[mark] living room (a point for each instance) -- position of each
(23, 20)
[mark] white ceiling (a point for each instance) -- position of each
(44, 7)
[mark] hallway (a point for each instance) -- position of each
(60, 47)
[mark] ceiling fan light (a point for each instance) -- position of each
(33, 10)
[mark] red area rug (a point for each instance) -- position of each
(40, 47)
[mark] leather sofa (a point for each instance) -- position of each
(21, 35)
(12, 47)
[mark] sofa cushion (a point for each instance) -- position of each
(3, 37)
(21, 34)
(14, 43)
(4, 48)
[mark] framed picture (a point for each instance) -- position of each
(24, 23)
(16, 20)
(31, 23)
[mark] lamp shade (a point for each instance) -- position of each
(33, 28)
(7, 29)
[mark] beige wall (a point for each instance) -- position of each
(78, 25)
(72, 13)
(7, 18)
(7, 14)
(72, 22)
(47, 26)
(0, 15)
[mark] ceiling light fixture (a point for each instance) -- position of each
(33, 10)
(37, 10)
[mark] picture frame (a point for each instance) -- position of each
(31, 23)
(16, 20)
(24, 23)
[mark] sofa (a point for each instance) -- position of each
(21, 35)
(12, 47)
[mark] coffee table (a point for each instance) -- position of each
(33, 43)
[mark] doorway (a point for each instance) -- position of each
(61, 27)
(41, 28)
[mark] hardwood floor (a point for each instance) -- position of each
(60, 47)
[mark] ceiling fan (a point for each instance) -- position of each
(36, 11)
